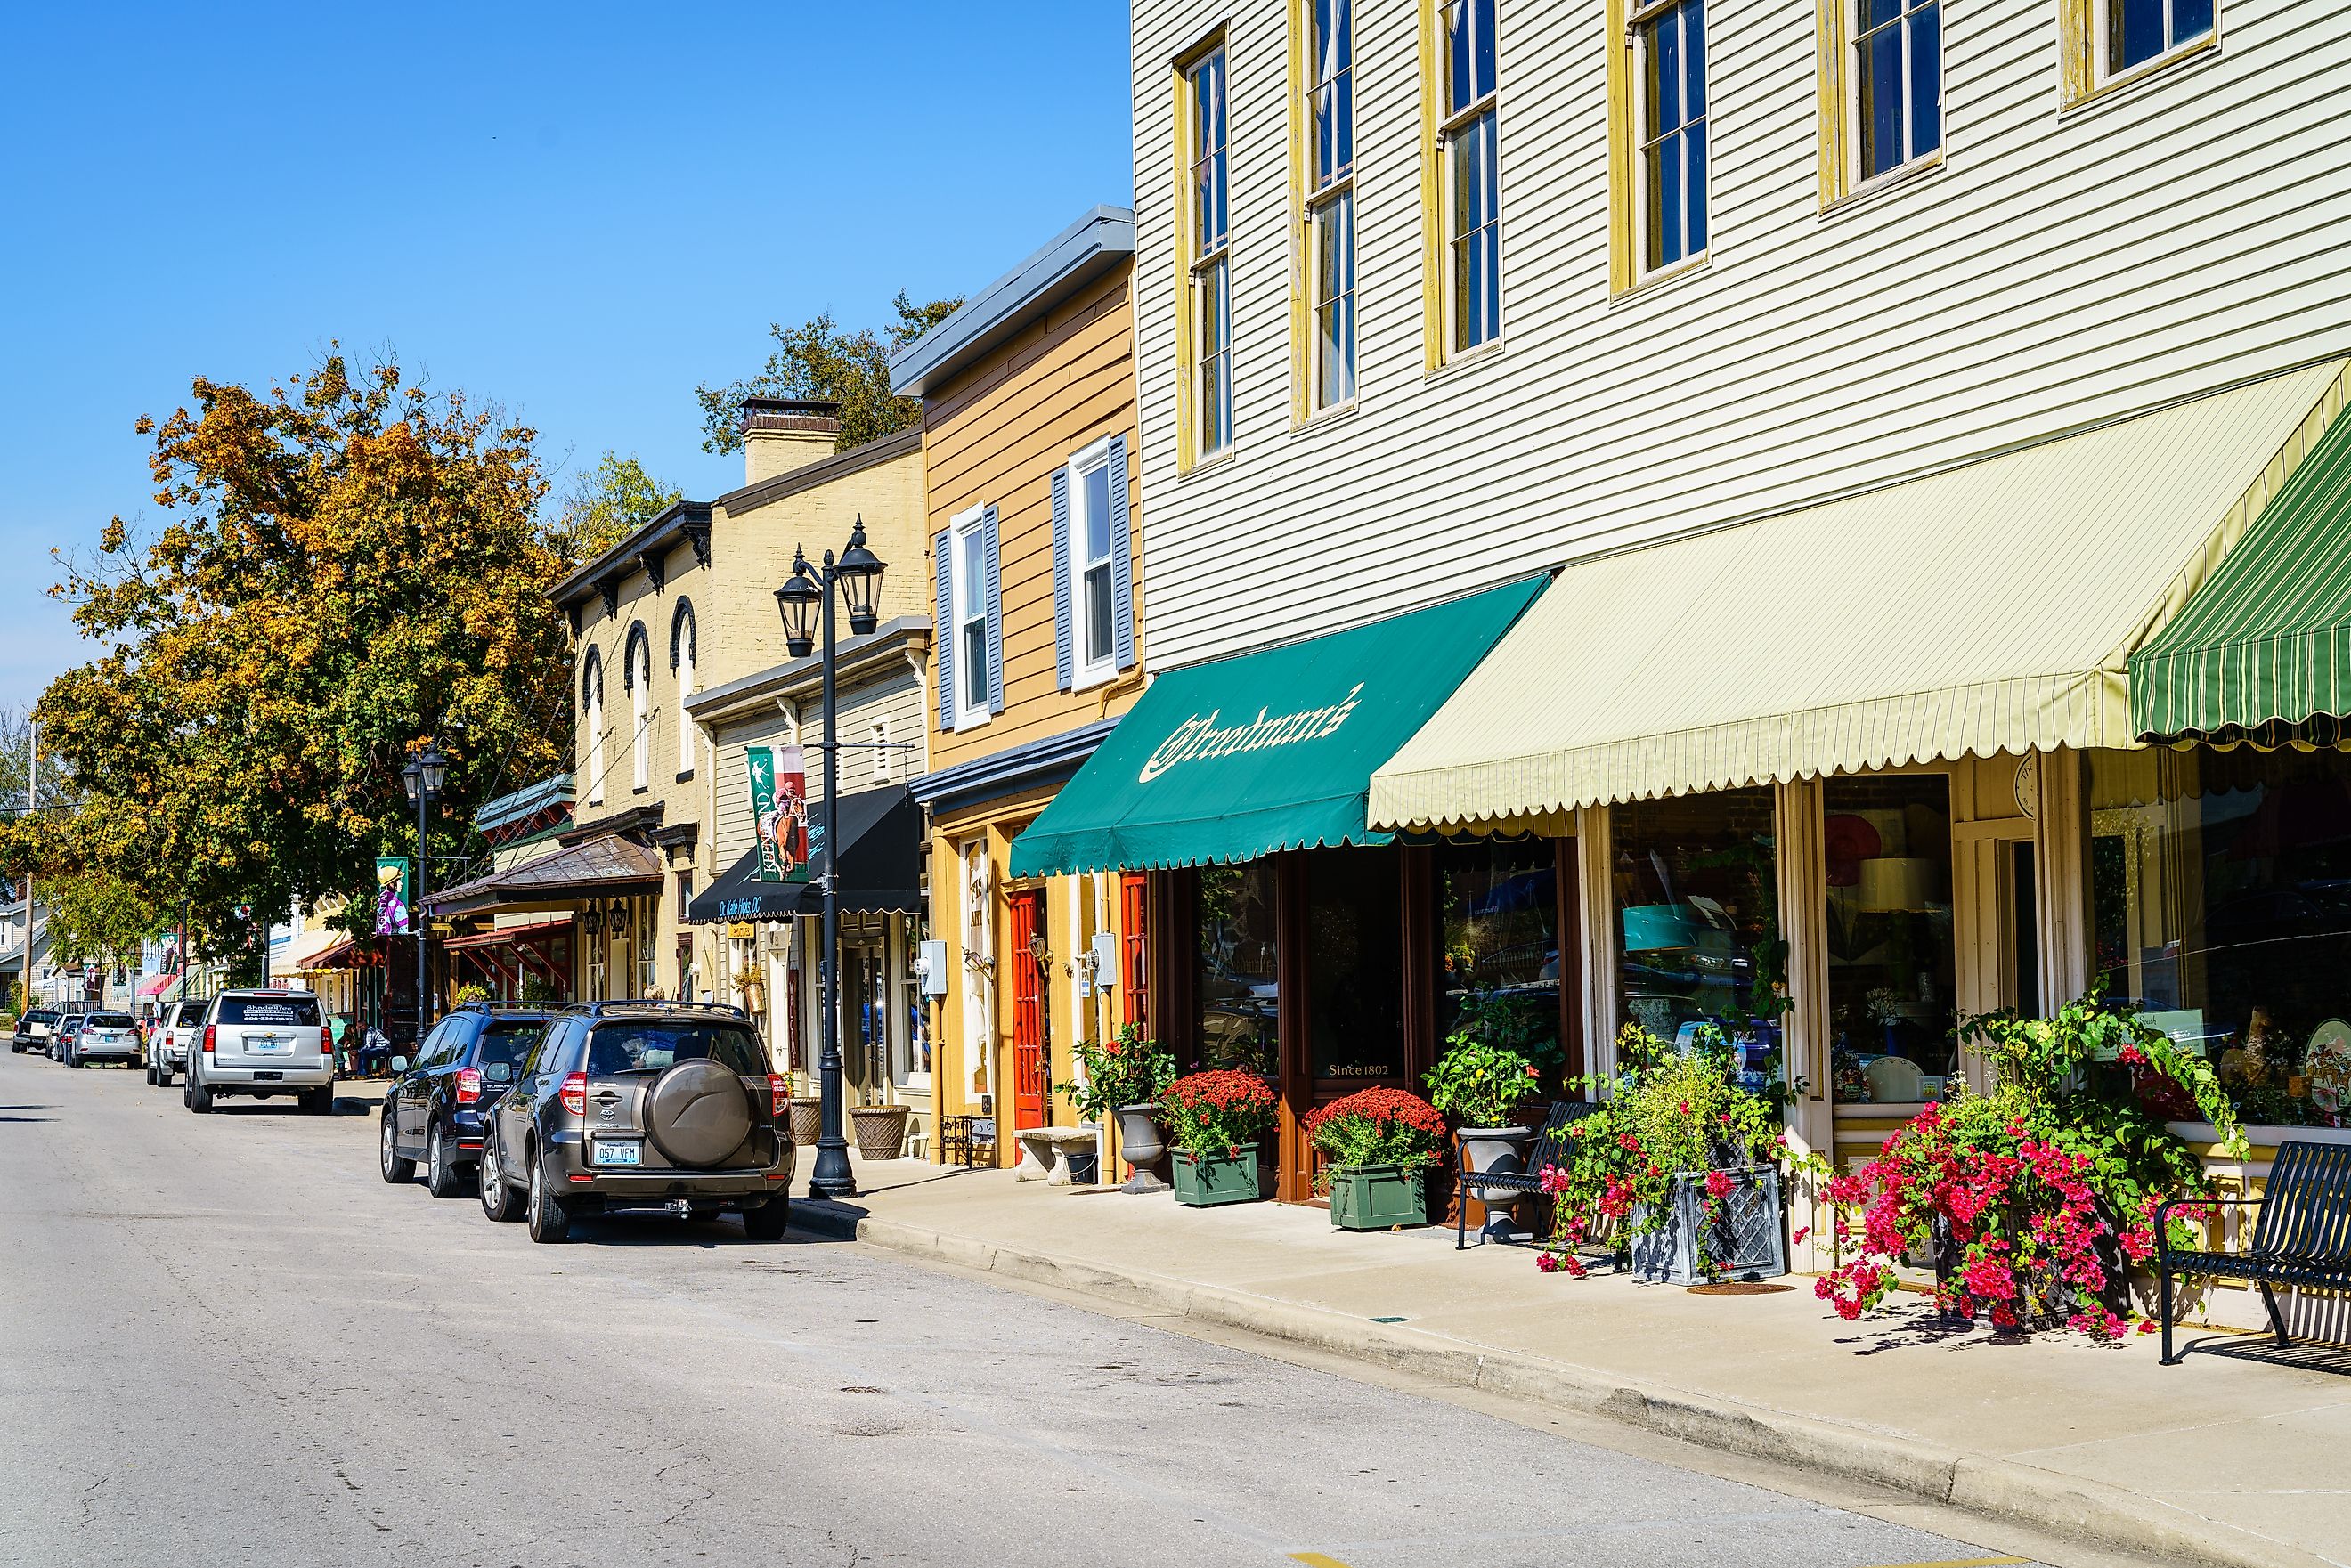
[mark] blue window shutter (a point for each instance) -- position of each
(1122, 559)
(1065, 651)
(995, 612)
(943, 630)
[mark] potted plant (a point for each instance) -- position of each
(1479, 1085)
(881, 1129)
(1678, 1169)
(1379, 1143)
(806, 1110)
(1123, 1077)
(1216, 1119)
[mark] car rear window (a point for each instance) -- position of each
(654, 1045)
(268, 1010)
(506, 1042)
(109, 1020)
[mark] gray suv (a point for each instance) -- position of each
(640, 1106)
(262, 1043)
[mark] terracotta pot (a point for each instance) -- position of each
(881, 1129)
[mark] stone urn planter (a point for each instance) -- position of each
(1502, 1150)
(1747, 1242)
(1140, 1144)
(807, 1120)
(881, 1129)
(1377, 1197)
(1207, 1181)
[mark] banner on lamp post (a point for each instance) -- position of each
(391, 890)
(779, 811)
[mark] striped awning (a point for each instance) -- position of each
(2267, 641)
(1989, 608)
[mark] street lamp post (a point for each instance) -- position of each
(807, 597)
(424, 779)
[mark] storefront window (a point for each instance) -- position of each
(1498, 945)
(914, 1061)
(1698, 922)
(1354, 965)
(1893, 1001)
(1239, 995)
(2222, 896)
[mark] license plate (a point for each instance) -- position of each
(270, 1047)
(267, 1076)
(618, 1155)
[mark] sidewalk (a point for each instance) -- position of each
(2225, 1458)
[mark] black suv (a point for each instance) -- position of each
(646, 1106)
(436, 1107)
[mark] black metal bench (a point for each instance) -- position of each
(1550, 1150)
(2303, 1236)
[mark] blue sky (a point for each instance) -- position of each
(578, 211)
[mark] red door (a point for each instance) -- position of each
(1134, 981)
(1029, 1068)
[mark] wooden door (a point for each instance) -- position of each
(1030, 1066)
(1134, 933)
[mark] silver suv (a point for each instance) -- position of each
(652, 1106)
(104, 1037)
(262, 1043)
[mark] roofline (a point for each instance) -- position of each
(887, 645)
(663, 533)
(823, 470)
(1088, 247)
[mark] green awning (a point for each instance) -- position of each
(2267, 639)
(1264, 751)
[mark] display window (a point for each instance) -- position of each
(1499, 952)
(1237, 989)
(2220, 891)
(1892, 992)
(1355, 967)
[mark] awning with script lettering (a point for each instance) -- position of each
(1272, 750)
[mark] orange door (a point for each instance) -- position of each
(1030, 1065)
(1134, 987)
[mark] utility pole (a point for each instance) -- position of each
(32, 800)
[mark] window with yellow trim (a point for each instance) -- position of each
(1328, 116)
(1207, 256)
(1468, 144)
(1667, 40)
(1881, 90)
(2108, 43)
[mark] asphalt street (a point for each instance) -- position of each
(225, 1340)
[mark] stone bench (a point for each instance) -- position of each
(1045, 1152)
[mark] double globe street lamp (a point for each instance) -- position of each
(423, 777)
(804, 600)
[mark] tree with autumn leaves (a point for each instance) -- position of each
(350, 565)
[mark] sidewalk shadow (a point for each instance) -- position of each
(1921, 1327)
(2334, 1359)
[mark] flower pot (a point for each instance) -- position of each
(1139, 1143)
(1746, 1243)
(807, 1120)
(881, 1129)
(1204, 1181)
(1377, 1197)
(1502, 1150)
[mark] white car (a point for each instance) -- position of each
(262, 1043)
(167, 1040)
(104, 1037)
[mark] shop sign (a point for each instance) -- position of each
(1198, 738)
(779, 811)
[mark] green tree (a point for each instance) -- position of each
(817, 359)
(605, 505)
(350, 565)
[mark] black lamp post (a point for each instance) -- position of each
(424, 779)
(805, 600)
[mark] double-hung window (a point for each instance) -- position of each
(968, 610)
(1090, 534)
(1469, 154)
(1898, 83)
(1330, 122)
(1669, 152)
(1208, 256)
(2133, 32)
(971, 622)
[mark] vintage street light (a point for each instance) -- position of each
(806, 603)
(424, 779)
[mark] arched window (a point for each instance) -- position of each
(680, 659)
(637, 675)
(591, 710)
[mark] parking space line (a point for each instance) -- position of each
(1316, 1560)
(1963, 1563)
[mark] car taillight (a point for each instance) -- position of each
(210, 1031)
(469, 1086)
(779, 1096)
(575, 1094)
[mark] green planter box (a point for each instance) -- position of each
(1203, 1183)
(1377, 1197)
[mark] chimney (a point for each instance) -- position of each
(781, 433)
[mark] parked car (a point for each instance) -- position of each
(641, 1106)
(262, 1043)
(434, 1108)
(168, 1037)
(104, 1037)
(70, 1019)
(34, 1029)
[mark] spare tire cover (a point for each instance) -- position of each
(698, 1112)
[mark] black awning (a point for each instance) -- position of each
(880, 866)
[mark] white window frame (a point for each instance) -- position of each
(1208, 267)
(2102, 35)
(1857, 178)
(684, 690)
(641, 714)
(1636, 29)
(1452, 125)
(1086, 671)
(1330, 200)
(967, 526)
(595, 792)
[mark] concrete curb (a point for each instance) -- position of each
(2072, 1506)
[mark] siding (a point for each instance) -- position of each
(2056, 272)
(997, 433)
(897, 701)
(609, 633)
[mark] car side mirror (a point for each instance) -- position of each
(400, 1065)
(498, 1072)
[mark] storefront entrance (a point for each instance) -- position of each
(1025, 971)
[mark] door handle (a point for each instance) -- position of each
(605, 1097)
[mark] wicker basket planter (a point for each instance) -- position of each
(1377, 1197)
(1748, 1243)
(807, 1120)
(881, 1129)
